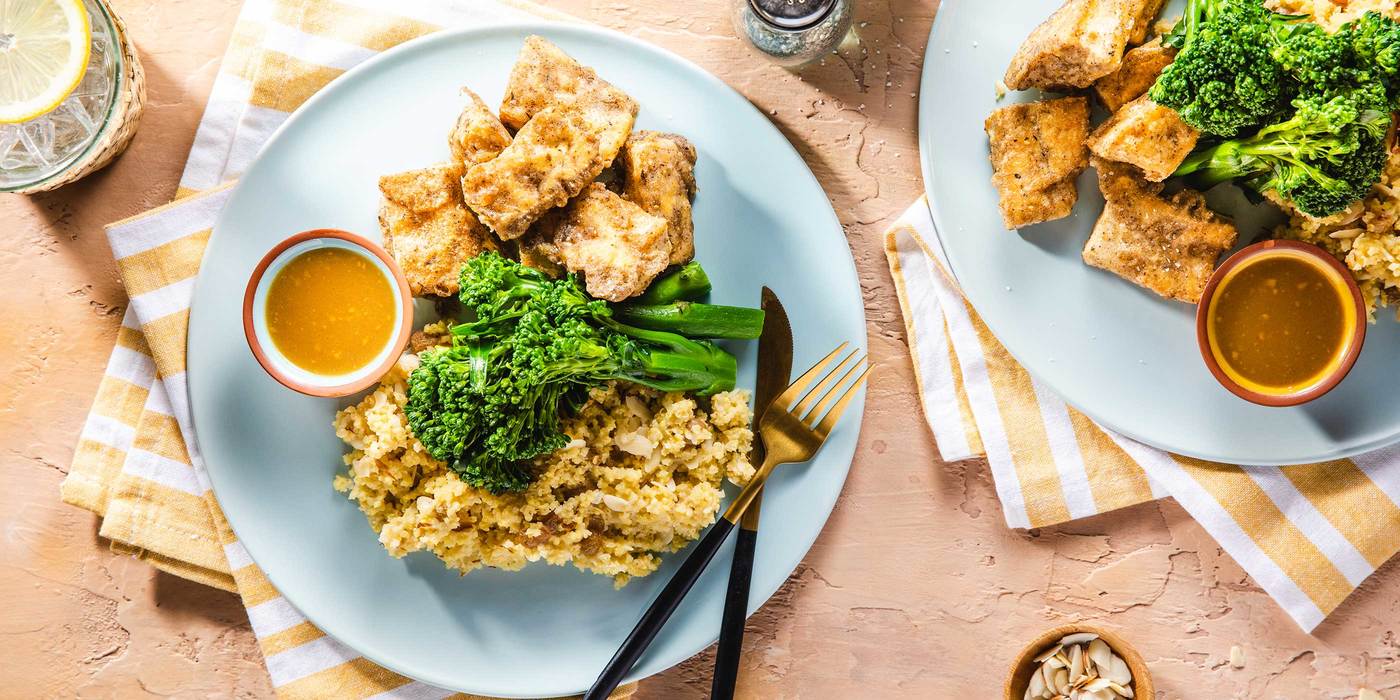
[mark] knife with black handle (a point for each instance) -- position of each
(774, 373)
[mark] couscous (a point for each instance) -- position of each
(641, 477)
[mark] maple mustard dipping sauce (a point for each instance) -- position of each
(330, 311)
(1281, 322)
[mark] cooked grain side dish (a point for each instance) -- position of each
(641, 477)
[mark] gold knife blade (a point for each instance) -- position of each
(774, 373)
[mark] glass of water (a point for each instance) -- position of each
(88, 127)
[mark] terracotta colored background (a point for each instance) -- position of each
(915, 589)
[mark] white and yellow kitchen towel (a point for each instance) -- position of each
(137, 463)
(1307, 534)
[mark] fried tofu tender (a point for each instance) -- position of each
(1080, 43)
(478, 136)
(427, 230)
(659, 177)
(1169, 245)
(1147, 11)
(1037, 151)
(1135, 76)
(544, 76)
(572, 124)
(616, 246)
(558, 153)
(1147, 135)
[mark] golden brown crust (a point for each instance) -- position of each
(616, 246)
(1168, 245)
(1037, 150)
(478, 136)
(1147, 135)
(543, 76)
(427, 230)
(1145, 17)
(558, 152)
(659, 177)
(1135, 76)
(1080, 43)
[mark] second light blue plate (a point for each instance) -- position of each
(1118, 353)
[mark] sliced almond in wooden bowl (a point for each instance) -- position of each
(1078, 662)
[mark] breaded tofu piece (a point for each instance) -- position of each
(557, 153)
(427, 230)
(616, 246)
(1169, 245)
(1037, 150)
(1147, 11)
(544, 76)
(537, 249)
(1082, 42)
(1135, 77)
(478, 136)
(1147, 135)
(659, 176)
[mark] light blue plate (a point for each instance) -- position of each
(1119, 353)
(761, 218)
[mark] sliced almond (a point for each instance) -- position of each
(1048, 653)
(1061, 681)
(1236, 657)
(1037, 685)
(1096, 685)
(1055, 662)
(1123, 690)
(1078, 638)
(1100, 653)
(1118, 671)
(1076, 662)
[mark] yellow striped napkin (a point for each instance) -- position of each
(137, 463)
(1307, 534)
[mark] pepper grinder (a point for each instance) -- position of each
(793, 32)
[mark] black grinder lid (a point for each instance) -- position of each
(792, 14)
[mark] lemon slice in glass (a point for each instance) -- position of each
(44, 48)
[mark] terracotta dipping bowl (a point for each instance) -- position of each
(1333, 269)
(1018, 677)
(288, 373)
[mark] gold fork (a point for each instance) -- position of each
(793, 428)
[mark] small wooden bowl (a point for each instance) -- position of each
(1019, 676)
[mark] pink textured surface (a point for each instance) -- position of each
(915, 589)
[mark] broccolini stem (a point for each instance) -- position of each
(688, 282)
(694, 320)
(706, 374)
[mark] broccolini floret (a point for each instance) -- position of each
(1326, 156)
(1225, 78)
(493, 400)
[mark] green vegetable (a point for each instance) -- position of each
(1226, 78)
(492, 402)
(686, 283)
(695, 320)
(1362, 55)
(1376, 40)
(1326, 156)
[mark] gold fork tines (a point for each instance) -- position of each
(796, 424)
